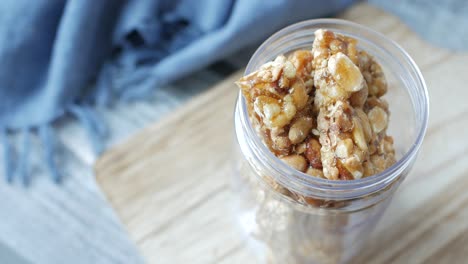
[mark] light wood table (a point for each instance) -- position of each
(169, 182)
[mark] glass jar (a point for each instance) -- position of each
(291, 217)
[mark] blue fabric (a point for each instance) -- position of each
(63, 57)
(442, 22)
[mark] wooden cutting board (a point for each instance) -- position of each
(169, 183)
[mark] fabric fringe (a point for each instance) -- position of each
(47, 136)
(93, 124)
(105, 93)
(23, 162)
(7, 156)
(96, 130)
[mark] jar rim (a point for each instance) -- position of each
(314, 186)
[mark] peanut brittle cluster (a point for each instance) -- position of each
(321, 110)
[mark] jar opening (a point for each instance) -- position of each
(257, 153)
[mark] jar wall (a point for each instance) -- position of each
(282, 227)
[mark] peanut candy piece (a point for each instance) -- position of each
(275, 113)
(341, 77)
(382, 152)
(274, 92)
(349, 134)
(335, 59)
(276, 98)
(344, 146)
(336, 78)
(327, 43)
(373, 74)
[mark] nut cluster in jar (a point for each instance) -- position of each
(321, 111)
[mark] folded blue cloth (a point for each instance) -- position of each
(63, 57)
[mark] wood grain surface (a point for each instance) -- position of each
(169, 183)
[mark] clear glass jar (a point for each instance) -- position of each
(291, 217)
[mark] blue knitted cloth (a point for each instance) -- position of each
(61, 57)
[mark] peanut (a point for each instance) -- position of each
(315, 172)
(345, 73)
(354, 166)
(344, 148)
(313, 153)
(358, 99)
(299, 94)
(365, 123)
(300, 148)
(358, 134)
(378, 119)
(300, 129)
(298, 162)
(289, 70)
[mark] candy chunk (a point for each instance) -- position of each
(321, 110)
